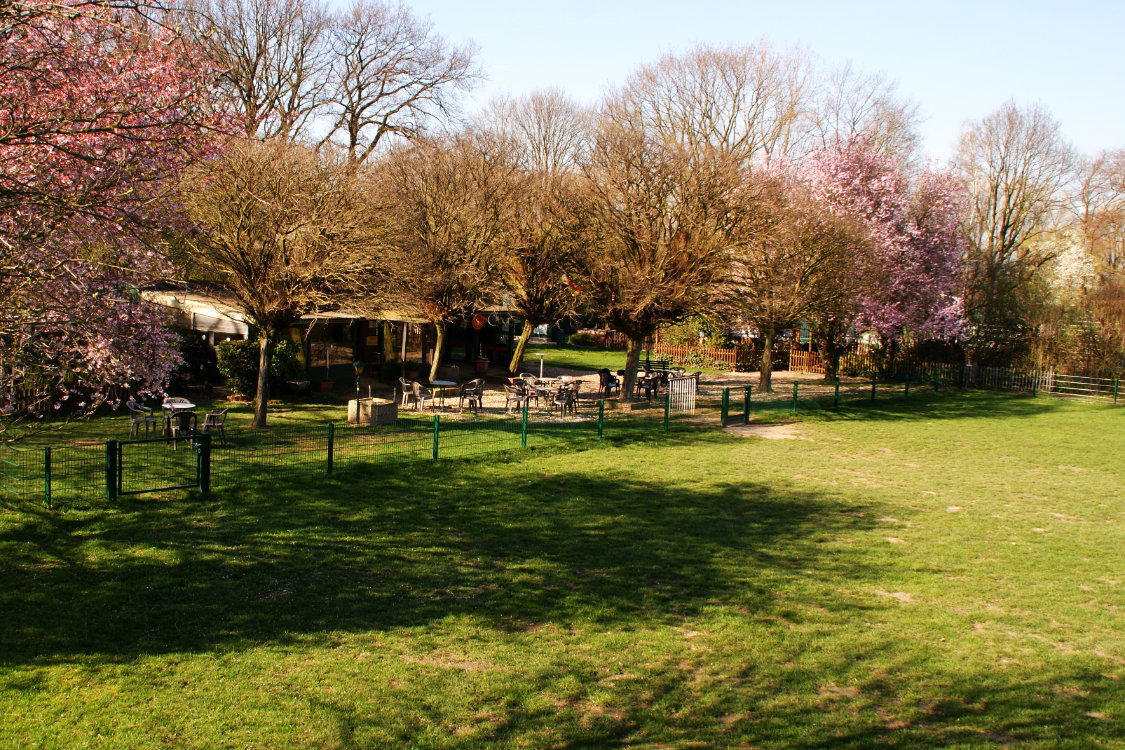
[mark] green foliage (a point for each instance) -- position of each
(716, 333)
(238, 361)
(582, 339)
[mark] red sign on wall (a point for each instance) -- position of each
(478, 321)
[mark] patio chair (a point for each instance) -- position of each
(407, 391)
(473, 392)
(515, 394)
(649, 384)
(140, 415)
(183, 423)
(214, 422)
(608, 382)
(566, 400)
(532, 386)
(420, 395)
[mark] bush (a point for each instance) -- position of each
(238, 360)
(582, 339)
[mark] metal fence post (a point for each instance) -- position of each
(872, 386)
(331, 444)
(601, 418)
(836, 399)
(203, 462)
(907, 392)
(47, 476)
(667, 408)
(523, 426)
(746, 405)
(725, 407)
(1115, 391)
(437, 419)
(937, 381)
(111, 470)
(794, 398)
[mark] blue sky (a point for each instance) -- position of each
(958, 60)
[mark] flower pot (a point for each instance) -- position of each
(413, 374)
(325, 385)
(482, 365)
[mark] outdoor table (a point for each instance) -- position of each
(173, 407)
(541, 355)
(438, 387)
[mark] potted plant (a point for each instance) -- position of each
(482, 364)
(412, 369)
(327, 384)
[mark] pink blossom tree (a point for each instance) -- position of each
(910, 271)
(99, 111)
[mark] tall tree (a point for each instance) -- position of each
(285, 230)
(446, 203)
(392, 75)
(351, 78)
(909, 270)
(548, 134)
(792, 260)
(1014, 164)
(658, 217)
(100, 112)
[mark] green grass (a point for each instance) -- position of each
(934, 573)
(582, 358)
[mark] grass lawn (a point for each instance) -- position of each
(582, 358)
(944, 572)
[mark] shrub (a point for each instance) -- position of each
(582, 339)
(238, 360)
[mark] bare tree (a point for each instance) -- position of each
(293, 69)
(792, 260)
(392, 74)
(743, 102)
(446, 203)
(658, 220)
(850, 105)
(275, 59)
(548, 135)
(1100, 207)
(282, 227)
(1014, 164)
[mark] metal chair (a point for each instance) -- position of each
(214, 421)
(140, 415)
(566, 400)
(183, 423)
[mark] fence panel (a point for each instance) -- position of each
(682, 392)
(155, 465)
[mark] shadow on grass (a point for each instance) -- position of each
(925, 405)
(363, 551)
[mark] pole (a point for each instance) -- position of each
(437, 418)
(523, 426)
(726, 406)
(794, 398)
(331, 444)
(203, 462)
(47, 475)
(907, 385)
(836, 400)
(1115, 391)
(746, 405)
(872, 387)
(111, 470)
(601, 418)
(667, 408)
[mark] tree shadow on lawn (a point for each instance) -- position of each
(923, 406)
(407, 547)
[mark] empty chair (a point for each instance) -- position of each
(648, 384)
(515, 394)
(531, 383)
(213, 422)
(608, 382)
(407, 391)
(420, 396)
(471, 392)
(140, 415)
(565, 400)
(183, 424)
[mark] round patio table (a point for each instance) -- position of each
(438, 387)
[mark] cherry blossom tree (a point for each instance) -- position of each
(910, 276)
(98, 110)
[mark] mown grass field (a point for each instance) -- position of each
(934, 573)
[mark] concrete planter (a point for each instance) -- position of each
(372, 411)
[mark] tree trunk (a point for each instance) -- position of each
(261, 398)
(632, 361)
(438, 346)
(521, 346)
(765, 367)
(832, 348)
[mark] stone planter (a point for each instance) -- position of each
(372, 411)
